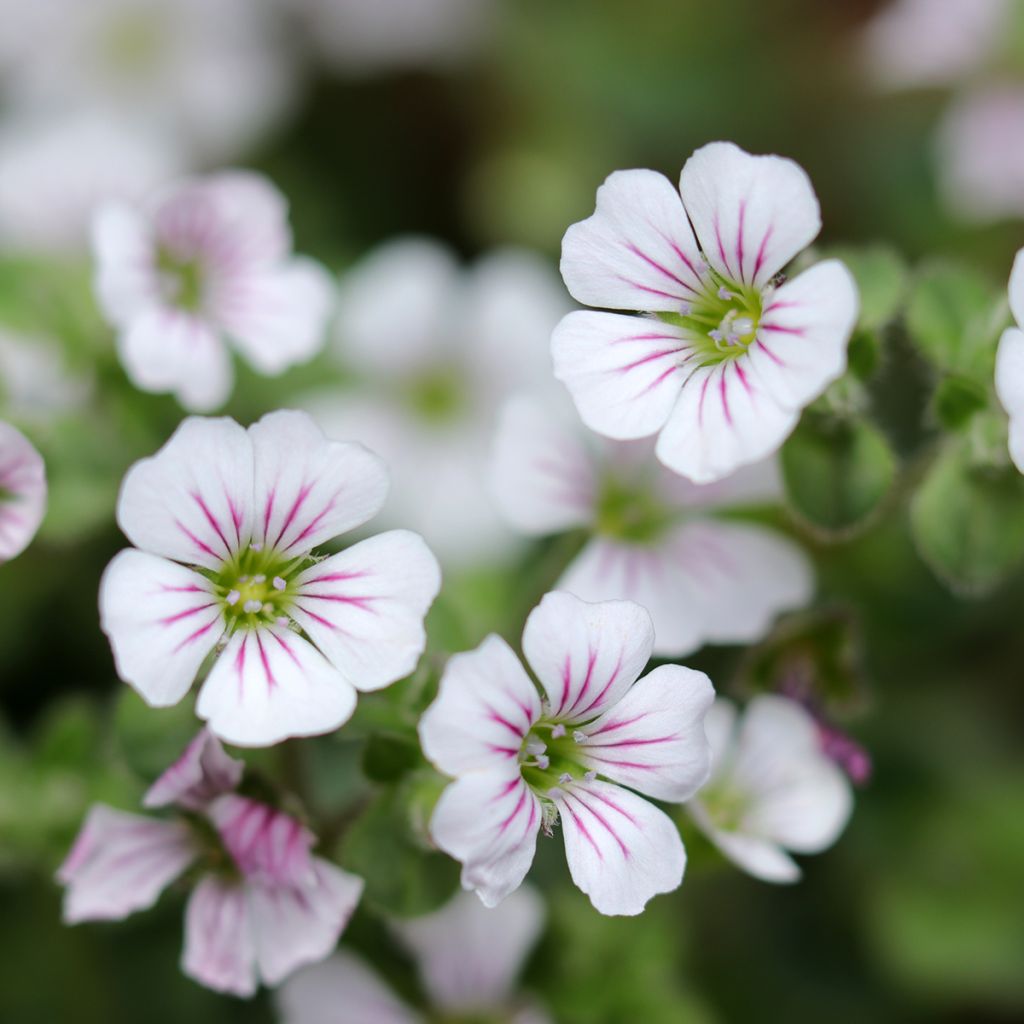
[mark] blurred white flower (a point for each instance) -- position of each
(773, 788)
(653, 536)
(206, 261)
(1010, 364)
(35, 385)
(468, 956)
(436, 350)
(214, 73)
(22, 491)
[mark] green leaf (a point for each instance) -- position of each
(968, 519)
(388, 757)
(151, 739)
(836, 472)
(957, 399)
(881, 276)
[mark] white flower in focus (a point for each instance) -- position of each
(468, 957)
(55, 170)
(723, 368)
(1010, 364)
(599, 735)
(266, 906)
(22, 491)
(772, 788)
(207, 262)
(225, 521)
(436, 349)
(654, 538)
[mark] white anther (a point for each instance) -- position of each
(535, 747)
(256, 546)
(243, 579)
(580, 737)
(716, 335)
(589, 776)
(724, 293)
(558, 731)
(268, 607)
(282, 620)
(684, 308)
(565, 778)
(233, 596)
(252, 606)
(259, 579)
(279, 583)
(543, 762)
(743, 325)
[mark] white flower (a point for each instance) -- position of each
(600, 734)
(269, 907)
(1010, 364)
(653, 537)
(206, 261)
(468, 958)
(436, 349)
(22, 491)
(213, 73)
(224, 521)
(772, 787)
(729, 359)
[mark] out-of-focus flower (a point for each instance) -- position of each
(212, 73)
(35, 385)
(599, 735)
(224, 521)
(263, 905)
(437, 349)
(772, 787)
(22, 491)
(362, 38)
(729, 359)
(54, 171)
(207, 261)
(1010, 364)
(913, 43)
(468, 958)
(653, 535)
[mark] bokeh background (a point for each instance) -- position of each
(495, 127)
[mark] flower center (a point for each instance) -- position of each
(550, 756)
(726, 806)
(132, 42)
(437, 396)
(630, 512)
(723, 320)
(181, 280)
(257, 586)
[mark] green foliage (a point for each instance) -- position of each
(881, 276)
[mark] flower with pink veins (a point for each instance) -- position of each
(224, 522)
(468, 958)
(585, 753)
(729, 353)
(1010, 364)
(22, 491)
(773, 787)
(204, 267)
(263, 904)
(653, 537)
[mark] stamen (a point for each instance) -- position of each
(716, 335)
(233, 596)
(256, 546)
(259, 579)
(243, 579)
(684, 308)
(278, 583)
(589, 776)
(535, 747)
(565, 778)
(558, 731)
(580, 737)
(282, 620)
(268, 607)
(543, 762)
(724, 293)
(252, 606)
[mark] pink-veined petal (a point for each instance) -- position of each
(162, 621)
(204, 771)
(586, 656)
(621, 849)
(120, 863)
(219, 949)
(364, 608)
(1010, 388)
(653, 740)
(269, 684)
(624, 372)
(541, 474)
(488, 821)
(309, 490)
(22, 491)
(485, 706)
(192, 500)
(637, 250)
(751, 214)
(126, 279)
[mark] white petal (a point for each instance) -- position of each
(203, 771)
(624, 372)
(162, 621)
(485, 706)
(192, 501)
(586, 656)
(1010, 388)
(805, 327)
(653, 739)
(277, 317)
(621, 849)
(219, 950)
(341, 990)
(720, 728)
(489, 821)
(269, 684)
(120, 863)
(759, 857)
(637, 250)
(309, 490)
(469, 956)
(758, 483)
(364, 608)
(295, 927)
(1016, 288)
(164, 349)
(126, 280)
(752, 214)
(541, 474)
(22, 491)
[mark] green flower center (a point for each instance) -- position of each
(437, 396)
(550, 756)
(181, 280)
(725, 805)
(630, 511)
(257, 586)
(133, 41)
(723, 321)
